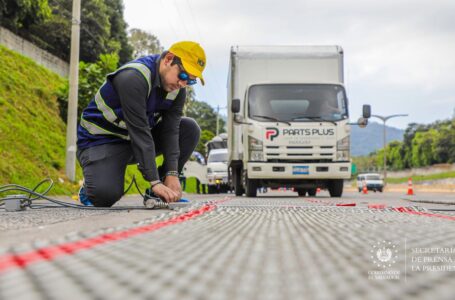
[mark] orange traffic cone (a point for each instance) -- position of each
(364, 188)
(410, 189)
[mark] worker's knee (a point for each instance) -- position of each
(190, 129)
(104, 195)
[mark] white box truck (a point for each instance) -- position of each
(288, 119)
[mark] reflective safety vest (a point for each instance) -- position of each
(102, 120)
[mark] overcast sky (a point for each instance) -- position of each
(399, 55)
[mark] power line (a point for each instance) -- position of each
(209, 65)
(181, 17)
(168, 20)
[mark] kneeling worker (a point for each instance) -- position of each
(135, 116)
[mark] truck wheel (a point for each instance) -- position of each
(251, 188)
(301, 192)
(336, 188)
(312, 192)
(212, 189)
(237, 180)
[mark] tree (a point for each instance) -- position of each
(367, 163)
(118, 30)
(91, 77)
(103, 29)
(394, 155)
(422, 148)
(205, 115)
(206, 135)
(95, 31)
(144, 43)
(16, 14)
(54, 34)
(444, 144)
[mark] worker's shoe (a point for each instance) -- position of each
(83, 198)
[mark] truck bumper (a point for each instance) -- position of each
(338, 170)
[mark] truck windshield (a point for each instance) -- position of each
(218, 157)
(297, 102)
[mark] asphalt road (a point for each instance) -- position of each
(275, 246)
(46, 224)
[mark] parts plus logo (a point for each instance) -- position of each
(384, 254)
(271, 133)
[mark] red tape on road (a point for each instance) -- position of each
(12, 261)
(420, 213)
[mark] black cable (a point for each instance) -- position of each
(28, 200)
(51, 185)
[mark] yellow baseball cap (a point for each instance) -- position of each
(192, 56)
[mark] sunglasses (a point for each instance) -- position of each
(183, 75)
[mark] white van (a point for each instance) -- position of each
(373, 182)
(217, 171)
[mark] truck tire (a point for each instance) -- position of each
(237, 181)
(251, 188)
(336, 188)
(212, 189)
(301, 192)
(312, 192)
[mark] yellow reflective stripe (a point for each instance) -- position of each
(144, 71)
(95, 129)
(107, 111)
(172, 95)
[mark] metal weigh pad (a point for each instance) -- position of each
(252, 249)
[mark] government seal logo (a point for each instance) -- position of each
(384, 254)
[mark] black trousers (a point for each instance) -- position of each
(104, 166)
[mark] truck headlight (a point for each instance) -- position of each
(343, 155)
(343, 149)
(255, 149)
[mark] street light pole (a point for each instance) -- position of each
(384, 119)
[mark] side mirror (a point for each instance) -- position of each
(235, 107)
(366, 111)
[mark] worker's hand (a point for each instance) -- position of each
(165, 193)
(173, 183)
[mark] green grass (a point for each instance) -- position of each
(419, 178)
(32, 144)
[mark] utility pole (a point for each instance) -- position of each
(384, 119)
(218, 117)
(72, 98)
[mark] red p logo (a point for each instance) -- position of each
(271, 133)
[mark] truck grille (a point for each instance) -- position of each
(310, 154)
(300, 161)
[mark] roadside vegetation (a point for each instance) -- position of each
(422, 178)
(32, 133)
(423, 145)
